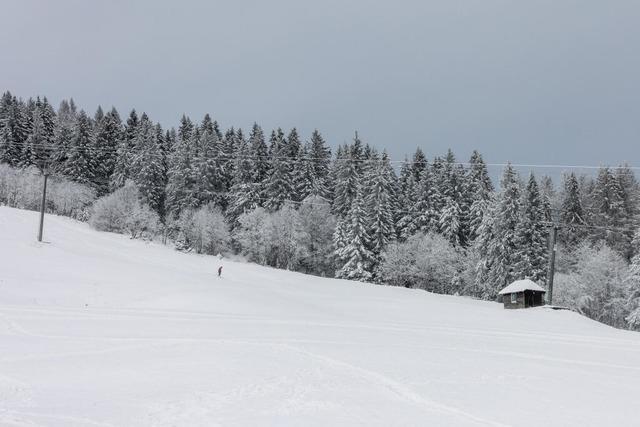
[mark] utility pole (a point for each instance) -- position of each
(552, 263)
(42, 205)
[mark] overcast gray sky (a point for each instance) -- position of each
(544, 81)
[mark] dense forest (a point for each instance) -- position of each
(434, 223)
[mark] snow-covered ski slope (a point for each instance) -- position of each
(100, 330)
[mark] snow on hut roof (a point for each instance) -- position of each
(521, 286)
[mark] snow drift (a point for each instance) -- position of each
(98, 329)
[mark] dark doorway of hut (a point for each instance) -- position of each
(533, 299)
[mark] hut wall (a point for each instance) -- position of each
(519, 303)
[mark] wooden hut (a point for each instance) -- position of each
(522, 294)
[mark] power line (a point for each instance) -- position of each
(49, 147)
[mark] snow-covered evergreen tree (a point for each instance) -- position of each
(608, 211)
(357, 259)
(147, 164)
(180, 193)
(302, 176)
(450, 221)
(186, 128)
(65, 126)
(497, 238)
(405, 201)
(108, 133)
(479, 190)
(379, 184)
(418, 164)
(319, 156)
(244, 194)
(548, 197)
(259, 155)
(531, 236)
(126, 152)
(39, 144)
(80, 164)
(633, 291)
(571, 214)
(347, 178)
(208, 168)
(278, 186)
(15, 129)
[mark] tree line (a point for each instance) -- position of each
(437, 224)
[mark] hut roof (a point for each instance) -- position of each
(521, 286)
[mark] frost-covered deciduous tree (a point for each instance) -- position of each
(22, 188)
(203, 230)
(285, 237)
(423, 261)
(251, 235)
(122, 212)
(595, 286)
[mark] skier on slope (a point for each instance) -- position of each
(220, 272)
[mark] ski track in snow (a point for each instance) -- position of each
(173, 316)
(395, 387)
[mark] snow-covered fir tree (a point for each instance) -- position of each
(531, 236)
(181, 173)
(450, 221)
(633, 290)
(497, 239)
(347, 177)
(356, 260)
(80, 164)
(259, 155)
(608, 211)
(571, 214)
(208, 168)
(278, 186)
(244, 194)
(302, 176)
(479, 190)
(148, 165)
(422, 200)
(405, 201)
(38, 147)
(15, 129)
(379, 185)
(319, 156)
(126, 151)
(66, 121)
(108, 133)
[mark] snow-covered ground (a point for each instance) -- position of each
(100, 330)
